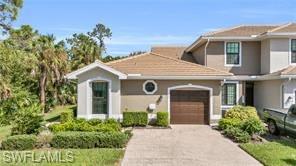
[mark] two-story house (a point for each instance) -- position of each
(248, 64)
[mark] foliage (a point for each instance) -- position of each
(89, 140)
(237, 134)
(100, 33)
(162, 119)
(110, 58)
(273, 153)
(43, 139)
(27, 121)
(135, 119)
(228, 123)
(94, 122)
(9, 12)
(67, 116)
(253, 126)
(136, 53)
(89, 126)
(19, 142)
(241, 112)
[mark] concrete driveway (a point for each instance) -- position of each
(184, 145)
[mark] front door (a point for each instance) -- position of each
(249, 95)
(99, 97)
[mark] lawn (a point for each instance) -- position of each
(95, 157)
(275, 153)
(54, 115)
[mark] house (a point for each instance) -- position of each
(247, 64)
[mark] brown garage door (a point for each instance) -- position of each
(189, 107)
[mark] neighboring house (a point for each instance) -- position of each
(248, 64)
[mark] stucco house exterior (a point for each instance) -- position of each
(251, 65)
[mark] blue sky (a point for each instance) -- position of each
(138, 24)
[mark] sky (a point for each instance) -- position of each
(137, 25)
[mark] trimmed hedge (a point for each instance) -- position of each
(162, 119)
(19, 142)
(228, 122)
(241, 113)
(67, 116)
(89, 140)
(135, 119)
(109, 125)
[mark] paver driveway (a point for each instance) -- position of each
(184, 145)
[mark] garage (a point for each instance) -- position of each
(189, 107)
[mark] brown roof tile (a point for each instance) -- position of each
(152, 64)
(290, 70)
(242, 31)
(291, 27)
(177, 52)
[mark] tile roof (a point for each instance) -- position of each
(177, 52)
(290, 27)
(241, 31)
(290, 70)
(152, 64)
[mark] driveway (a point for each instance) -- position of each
(184, 145)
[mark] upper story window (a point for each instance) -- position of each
(233, 54)
(293, 51)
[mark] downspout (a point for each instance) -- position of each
(206, 59)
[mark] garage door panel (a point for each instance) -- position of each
(189, 107)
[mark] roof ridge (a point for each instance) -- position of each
(222, 30)
(127, 58)
(189, 63)
(280, 27)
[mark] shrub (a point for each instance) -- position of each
(19, 142)
(27, 121)
(67, 116)
(89, 140)
(228, 122)
(43, 139)
(94, 122)
(89, 126)
(135, 119)
(237, 134)
(162, 119)
(241, 112)
(253, 126)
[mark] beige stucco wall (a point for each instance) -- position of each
(251, 60)
(279, 54)
(199, 54)
(84, 91)
(267, 94)
(265, 56)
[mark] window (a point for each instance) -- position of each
(232, 53)
(99, 97)
(149, 87)
(229, 94)
(293, 51)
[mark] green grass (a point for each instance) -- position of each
(4, 131)
(281, 152)
(89, 157)
(54, 115)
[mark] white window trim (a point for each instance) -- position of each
(240, 55)
(290, 51)
(237, 94)
(89, 113)
(155, 85)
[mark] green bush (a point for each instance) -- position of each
(228, 122)
(135, 119)
(237, 134)
(67, 116)
(94, 122)
(162, 119)
(27, 121)
(89, 140)
(87, 126)
(19, 142)
(253, 126)
(241, 112)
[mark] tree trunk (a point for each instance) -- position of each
(42, 87)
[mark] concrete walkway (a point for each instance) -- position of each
(184, 145)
